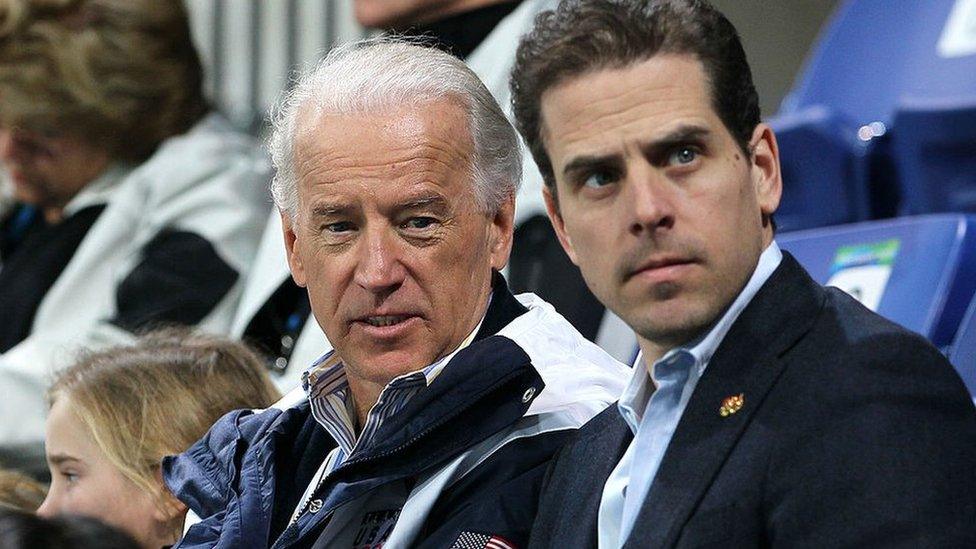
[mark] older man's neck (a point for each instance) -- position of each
(364, 395)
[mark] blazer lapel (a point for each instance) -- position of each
(747, 363)
(594, 462)
(569, 506)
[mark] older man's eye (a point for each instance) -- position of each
(419, 223)
(599, 179)
(339, 227)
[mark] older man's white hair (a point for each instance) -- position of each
(367, 76)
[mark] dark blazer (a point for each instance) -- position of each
(853, 432)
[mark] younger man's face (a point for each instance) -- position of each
(657, 203)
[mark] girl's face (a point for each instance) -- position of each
(85, 482)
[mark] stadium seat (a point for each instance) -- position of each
(917, 271)
(934, 120)
(826, 188)
(900, 75)
(963, 351)
(858, 66)
(935, 151)
(832, 126)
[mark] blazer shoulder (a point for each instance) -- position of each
(608, 423)
(864, 337)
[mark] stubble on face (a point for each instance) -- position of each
(663, 217)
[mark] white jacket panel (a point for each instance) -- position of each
(210, 181)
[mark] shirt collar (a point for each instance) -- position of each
(697, 352)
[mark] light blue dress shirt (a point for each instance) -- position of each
(653, 414)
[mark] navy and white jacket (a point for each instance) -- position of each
(463, 460)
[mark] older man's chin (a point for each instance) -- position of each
(382, 361)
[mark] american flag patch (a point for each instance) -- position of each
(473, 540)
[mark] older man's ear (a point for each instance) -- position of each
(502, 231)
(294, 259)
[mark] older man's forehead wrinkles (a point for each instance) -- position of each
(425, 200)
(329, 168)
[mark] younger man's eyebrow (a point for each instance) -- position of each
(681, 135)
(587, 163)
(654, 148)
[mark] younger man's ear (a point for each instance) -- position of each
(766, 175)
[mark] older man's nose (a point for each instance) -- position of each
(379, 267)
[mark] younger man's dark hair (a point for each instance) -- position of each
(582, 36)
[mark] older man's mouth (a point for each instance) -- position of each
(386, 326)
(385, 320)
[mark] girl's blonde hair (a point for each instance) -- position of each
(160, 395)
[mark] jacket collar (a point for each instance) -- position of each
(502, 310)
(748, 362)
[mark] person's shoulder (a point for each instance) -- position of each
(211, 147)
(852, 352)
(212, 134)
(866, 336)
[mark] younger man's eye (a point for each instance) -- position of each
(598, 179)
(683, 156)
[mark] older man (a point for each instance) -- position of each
(764, 410)
(433, 421)
(274, 313)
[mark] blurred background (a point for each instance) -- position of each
(249, 47)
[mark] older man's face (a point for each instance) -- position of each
(658, 205)
(389, 240)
